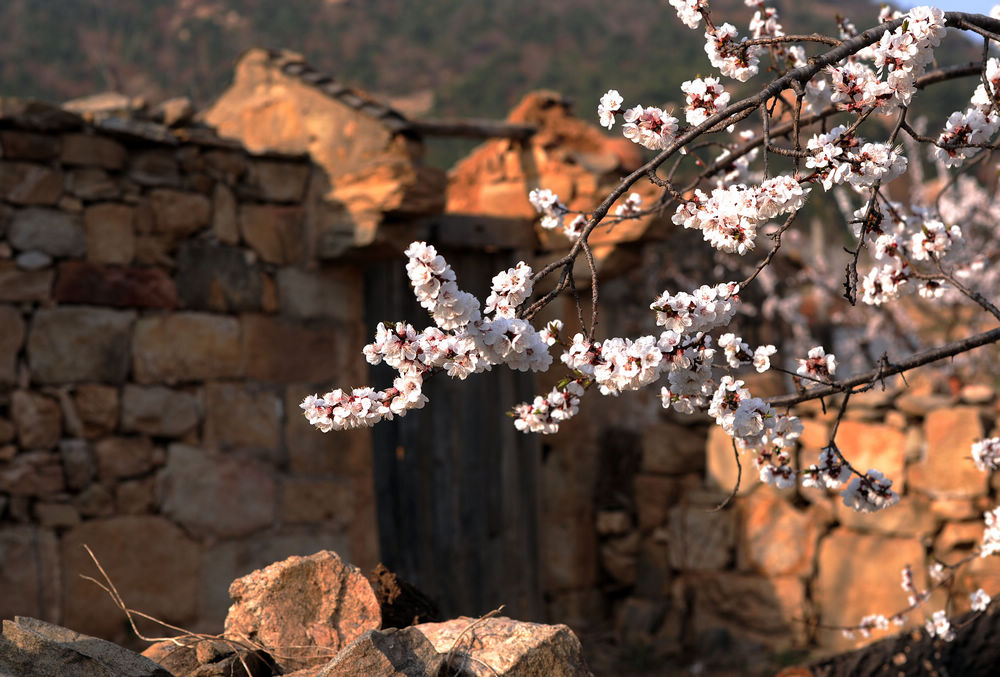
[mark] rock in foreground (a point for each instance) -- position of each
(304, 610)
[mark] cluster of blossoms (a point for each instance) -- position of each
(689, 11)
(839, 157)
(729, 55)
(704, 97)
(870, 493)
(830, 473)
(991, 535)
(544, 414)
(650, 127)
(976, 125)
(910, 236)
(939, 626)
(899, 58)
(630, 208)
(730, 216)
(818, 364)
(986, 454)
(962, 132)
(463, 342)
(548, 205)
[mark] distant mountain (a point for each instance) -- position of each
(439, 57)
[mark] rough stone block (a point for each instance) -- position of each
(11, 339)
(275, 232)
(390, 653)
(503, 646)
(24, 285)
(159, 411)
(279, 350)
(29, 571)
(758, 609)
(217, 278)
(219, 495)
(224, 218)
(269, 607)
(700, 540)
(873, 445)
(327, 501)
(38, 420)
(240, 417)
(31, 646)
(21, 145)
(92, 151)
(78, 463)
(29, 184)
(152, 562)
(90, 183)
(110, 234)
(33, 473)
(154, 168)
(947, 470)
(858, 574)
(47, 230)
(671, 449)
(119, 457)
(276, 181)
(102, 285)
(67, 345)
(187, 347)
(96, 406)
(776, 538)
(329, 293)
(179, 213)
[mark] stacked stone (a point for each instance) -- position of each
(776, 569)
(163, 313)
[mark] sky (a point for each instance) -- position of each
(972, 6)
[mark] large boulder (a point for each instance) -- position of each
(303, 610)
(33, 647)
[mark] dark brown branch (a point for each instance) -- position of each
(890, 369)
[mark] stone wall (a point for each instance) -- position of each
(776, 569)
(167, 298)
(163, 313)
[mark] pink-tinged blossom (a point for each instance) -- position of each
(610, 103)
(649, 127)
(510, 289)
(870, 493)
(991, 535)
(729, 217)
(547, 204)
(980, 600)
(574, 229)
(830, 473)
(818, 364)
(981, 98)
(550, 334)
(704, 97)
(728, 56)
(933, 240)
(961, 130)
(544, 414)
(986, 454)
(630, 208)
(762, 358)
(433, 282)
(884, 283)
(700, 311)
(939, 626)
(689, 11)
(872, 622)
